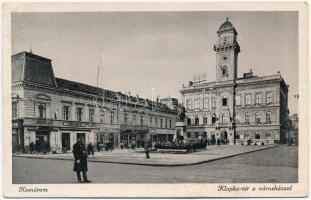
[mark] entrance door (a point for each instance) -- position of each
(111, 141)
(224, 137)
(42, 141)
(213, 140)
(65, 141)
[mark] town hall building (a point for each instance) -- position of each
(236, 110)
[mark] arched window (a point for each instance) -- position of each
(214, 118)
(268, 117)
(257, 118)
(238, 118)
(205, 119)
(224, 71)
(247, 118)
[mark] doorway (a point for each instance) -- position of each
(65, 142)
(224, 137)
(42, 141)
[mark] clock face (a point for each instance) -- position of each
(224, 58)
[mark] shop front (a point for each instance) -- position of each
(108, 138)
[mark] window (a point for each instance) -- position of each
(189, 104)
(268, 135)
(204, 135)
(166, 124)
(197, 103)
(224, 102)
(111, 117)
(125, 118)
(224, 118)
(247, 118)
(79, 114)
(258, 98)
(91, 115)
(238, 118)
(205, 103)
(246, 134)
(188, 120)
(205, 120)
(150, 121)
(224, 71)
(134, 119)
(66, 112)
(188, 135)
(213, 119)
(257, 136)
(248, 98)
(257, 118)
(14, 109)
(238, 100)
(225, 39)
(141, 120)
(161, 123)
(196, 120)
(213, 102)
(156, 122)
(170, 123)
(268, 117)
(196, 135)
(269, 97)
(102, 116)
(42, 110)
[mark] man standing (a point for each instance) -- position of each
(147, 146)
(80, 164)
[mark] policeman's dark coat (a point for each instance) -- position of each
(80, 153)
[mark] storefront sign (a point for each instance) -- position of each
(77, 124)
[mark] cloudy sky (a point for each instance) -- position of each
(138, 51)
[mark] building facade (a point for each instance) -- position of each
(234, 110)
(294, 127)
(51, 112)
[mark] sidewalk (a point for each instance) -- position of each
(159, 159)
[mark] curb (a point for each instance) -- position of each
(152, 164)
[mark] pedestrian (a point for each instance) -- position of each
(147, 150)
(90, 149)
(31, 147)
(80, 164)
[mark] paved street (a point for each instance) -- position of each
(271, 165)
(128, 156)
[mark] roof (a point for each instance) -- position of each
(88, 89)
(78, 87)
(226, 26)
(32, 68)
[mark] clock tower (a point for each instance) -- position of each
(227, 50)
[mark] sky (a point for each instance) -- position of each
(154, 53)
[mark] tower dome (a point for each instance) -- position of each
(226, 26)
